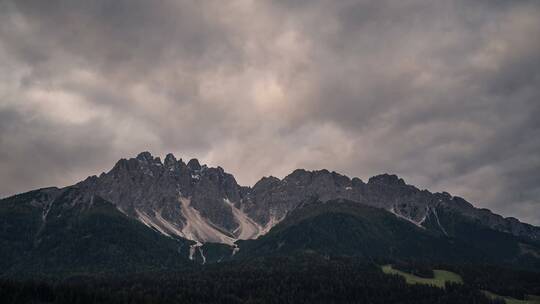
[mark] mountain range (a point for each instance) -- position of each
(148, 214)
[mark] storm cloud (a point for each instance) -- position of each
(446, 94)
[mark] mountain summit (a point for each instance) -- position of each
(204, 205)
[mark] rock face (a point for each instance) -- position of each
(271, 199)
(206, 204)
(175, 198)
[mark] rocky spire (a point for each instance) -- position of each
(194, 165)
(170, 161)
(387, 179)
(145, 156)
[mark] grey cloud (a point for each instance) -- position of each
(444, 93)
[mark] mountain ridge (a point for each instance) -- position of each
(173, 214)
(162, 195)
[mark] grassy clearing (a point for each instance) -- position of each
(439, 279)
(509, 300)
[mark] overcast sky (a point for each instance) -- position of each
(446, 94)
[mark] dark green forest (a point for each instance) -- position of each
(299, 279)
(321, 253)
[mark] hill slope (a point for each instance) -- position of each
(145, 214)
(342, 227)
(72, 238)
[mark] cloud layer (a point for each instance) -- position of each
(445, 94)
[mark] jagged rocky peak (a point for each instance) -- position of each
(145, 156)
(170, 161)
(302, 176)
(152, 166)
(194, 164)
(206, 204)
(297, 173)
(121, 164)
(355, 181)
(145, 160)
(173, 164)
(266, 181)
(387, 179)
(271, 199)
(191, 201)
(91, 179)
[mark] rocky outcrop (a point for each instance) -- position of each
(206, 204)
(271, 199)
(152, 192)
